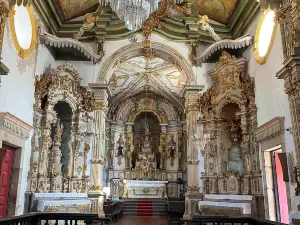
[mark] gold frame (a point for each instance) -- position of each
(23, 53)
(262, 59)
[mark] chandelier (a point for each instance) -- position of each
(134, 12)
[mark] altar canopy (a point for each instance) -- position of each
(146, 189)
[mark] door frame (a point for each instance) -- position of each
(14, 133)
(10, 177)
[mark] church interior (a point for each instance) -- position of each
(139, 110)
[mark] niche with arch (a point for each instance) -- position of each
(61, 143)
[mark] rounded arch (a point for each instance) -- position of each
(160, 50)
(229, 99)
(133, 117)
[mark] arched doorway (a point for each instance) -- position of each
(139, 129)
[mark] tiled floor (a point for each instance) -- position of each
(142, 220)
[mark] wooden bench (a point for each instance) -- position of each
(113, 210)
(176, 209)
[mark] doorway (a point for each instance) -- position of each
(276, 187)
(6, 163)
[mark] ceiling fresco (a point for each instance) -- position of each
(176, 27)
(70, 9)
(218, 10)
(160, 70)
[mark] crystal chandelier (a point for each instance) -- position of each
(133, 12)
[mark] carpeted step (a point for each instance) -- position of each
(144, 207)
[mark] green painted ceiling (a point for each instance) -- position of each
(64, 18)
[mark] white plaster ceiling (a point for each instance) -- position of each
(157, 69)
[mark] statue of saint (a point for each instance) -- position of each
(147, 130)
(120, 151)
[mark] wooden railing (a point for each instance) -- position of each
(52, 218)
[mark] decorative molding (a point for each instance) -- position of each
(213, 51)
(270, 129)
(229, 197)
(65, 43)
(14, 125)
(245, 206)
(23, 53)
(60, 195)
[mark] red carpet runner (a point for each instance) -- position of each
(145, 208)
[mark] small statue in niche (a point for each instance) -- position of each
(172, 147)
(120, 150)
(172, 152)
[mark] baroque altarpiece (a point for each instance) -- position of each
(226, 127)
(228, 116)
(62, 138)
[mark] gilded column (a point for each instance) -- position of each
(191, 110)
(162, 146)
(43, 184)
(130, 147)
(99, 151)
(291, 75)
(289, 18)
(35, 152)
(55, 173)
(98, 155)
(4, 13)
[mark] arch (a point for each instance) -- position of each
(160, 50)
(133, 117)
(229, 99)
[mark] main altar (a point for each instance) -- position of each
(146, 189)
(145, 181)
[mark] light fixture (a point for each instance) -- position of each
(264, 36)
(23, 28)
(134, 12)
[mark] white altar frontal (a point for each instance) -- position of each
(146, 189)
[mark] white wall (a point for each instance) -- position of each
(271, 100)
(17, 94)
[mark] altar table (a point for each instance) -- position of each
(146, 189)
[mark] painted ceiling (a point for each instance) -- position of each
(218, 10)
(65, 17)
(69, 9)
(158, 70)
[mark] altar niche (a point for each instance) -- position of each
(62, 135)
(61, 131)
(146, 134)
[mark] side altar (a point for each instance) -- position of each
(146, 189)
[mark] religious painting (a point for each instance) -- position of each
(218, 10)
(70, 9)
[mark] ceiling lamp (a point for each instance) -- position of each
(134, 12)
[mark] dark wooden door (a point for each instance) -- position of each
(6, 160)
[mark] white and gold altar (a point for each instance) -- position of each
(183, 105)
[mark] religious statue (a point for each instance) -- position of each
(172, 149)
(172, 152)
(144, 169)
(203, 22)
(120, 150)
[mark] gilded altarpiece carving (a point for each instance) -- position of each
(61, 143)
(228, 117)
